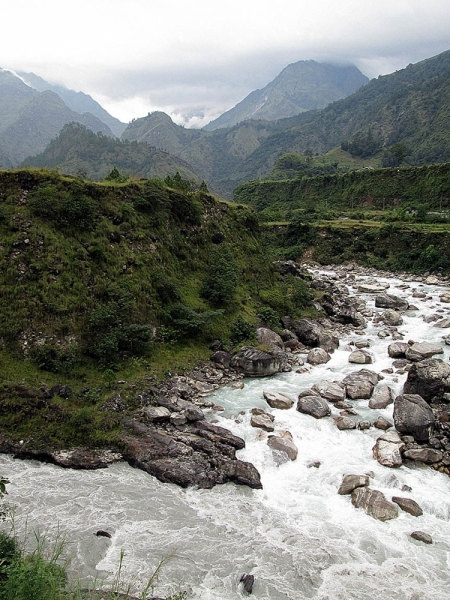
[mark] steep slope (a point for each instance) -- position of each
(301, 86)
(411, 106)
(76, 101)
(77, 149)
(30, 119)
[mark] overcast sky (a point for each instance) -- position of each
(194, 59)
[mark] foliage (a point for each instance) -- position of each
(362, 145)
(221, 279)
(241, 331)
(115, 176)
(188, 322)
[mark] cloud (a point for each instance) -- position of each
(199, 58)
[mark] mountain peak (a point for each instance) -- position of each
(301, 86)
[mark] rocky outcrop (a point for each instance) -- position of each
(413, 416)
(197, 453)
(252, 362)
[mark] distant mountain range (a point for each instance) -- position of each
(410, 106)
(301, 86)
(30, 119)
(77, 101)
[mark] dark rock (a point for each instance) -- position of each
(221, 358)
(255, 363)
(360, 384)
(413, 416)
(430, 378)
(101, 533)
(247, 582)
(408, 505)
(390, 301)
(217, 237)
(428, 456)
(315, 406)
(421, 536)
(374, 503)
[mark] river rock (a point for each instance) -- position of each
(351, 482)
(313, 334)
(360, 384)
(267, 337)
(413, 416)
(372, 288)
(364, 425)
(198, 453)
(387, 449)
(445, 297)
(318, 356)
(247, 582)
(374, 503)
(361, 357)
(276, 400)
(330, 390)
(315, 406)
(262, 420)
(221, 358)
(156, 414)
(283, 443)
(392, 318)
(428, 456)
(429, 378)
(422, 350)
(256, 363)
(382, 397)
(408, 505)
(443, 323)
(343, 423)
(382, 423)
(421, 536)
(398, 349)
(390, 301)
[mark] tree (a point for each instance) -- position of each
(399, 151)
(221, 280)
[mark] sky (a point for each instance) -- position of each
(195, 59)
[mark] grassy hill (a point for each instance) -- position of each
(77, 149)
(103, 282)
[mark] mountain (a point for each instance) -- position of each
(77, 101)
(30, 119)
(77, 149)
(301, 86)
(411, 106)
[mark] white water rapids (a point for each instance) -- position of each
(297, 536)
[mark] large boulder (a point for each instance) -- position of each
(381, 398)
(267, 337)
(283, 443)
(315, 406)
(374, 503)
(330, 390)
(422, 350)
(413, 416)
(257, 363)
(398, 349)
(390, 301)
(360, 384)
(343, 423)
(373, 288)
(391, 318)
(429, 378)
(318, 356)
(276, 400)
(361, 357)
(388, 448)
(429, 456)
(313, 334)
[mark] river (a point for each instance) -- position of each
(297, 536)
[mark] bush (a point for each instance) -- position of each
(221, 280)
(241, 331)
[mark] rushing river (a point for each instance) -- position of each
(297, 536)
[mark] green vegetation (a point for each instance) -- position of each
(117, 281)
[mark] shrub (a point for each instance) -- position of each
(221, 280)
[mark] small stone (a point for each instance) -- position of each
(351, 482)
(421, 536)
(408, 505)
